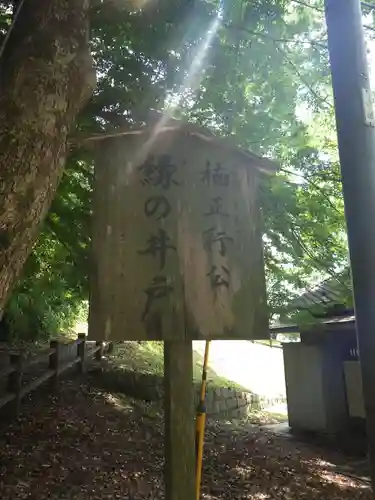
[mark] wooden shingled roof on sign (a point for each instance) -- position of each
(160, 124)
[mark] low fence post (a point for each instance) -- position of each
(54, 361)
(99, 352)
(81, 352)
(15, 380)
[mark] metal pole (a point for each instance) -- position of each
(356, 140)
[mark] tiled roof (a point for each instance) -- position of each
(328, 293)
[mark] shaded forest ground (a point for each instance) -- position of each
(85, 443)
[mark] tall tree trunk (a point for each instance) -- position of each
(46, 77)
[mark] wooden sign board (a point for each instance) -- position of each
(177, 243)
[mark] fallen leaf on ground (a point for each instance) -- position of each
(90, 444)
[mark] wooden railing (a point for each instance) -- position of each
(25, 374)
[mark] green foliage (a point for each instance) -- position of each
(49, 298)
(267, 65)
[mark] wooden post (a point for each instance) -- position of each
(99, 352)
(54, 360)
(81, 352)
(15, 380)
(179, 421)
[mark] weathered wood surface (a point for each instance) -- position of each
(177, 243)
(179, 421)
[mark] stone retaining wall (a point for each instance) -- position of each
(224, 402)
(221, 402)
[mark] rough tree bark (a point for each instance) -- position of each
(46, 77)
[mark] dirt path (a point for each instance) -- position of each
(87, 444)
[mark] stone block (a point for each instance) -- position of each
(223, 405)
(220, 393)
(216, 408)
